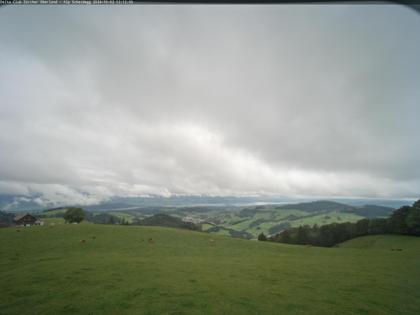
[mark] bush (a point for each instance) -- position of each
(74, 215)
(262, 237)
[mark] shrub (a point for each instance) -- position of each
(74, 215)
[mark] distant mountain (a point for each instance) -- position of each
(192, 200)
(317, 206)
(373, 211)
(368, 211)
(19, 203)
(127, 203)
(111, 205)
(391, 203)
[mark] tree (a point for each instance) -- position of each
(123, 221)
(285, 236)
(398, 223)
(262, 237)
(302, 235)
(378, 226)
(111, 220)
(326, 235)
(362, 227)
(74, 215)
(413, 221)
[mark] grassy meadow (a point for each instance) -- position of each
(116, 270)
(384, 242)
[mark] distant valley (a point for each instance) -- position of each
(241, 221)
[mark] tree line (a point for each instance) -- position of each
(405, 220)
(77, 215)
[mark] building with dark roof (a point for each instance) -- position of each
(25, 219)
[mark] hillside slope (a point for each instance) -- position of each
(152, 270)
(272, 219)
(165, 220)
(238, 221)
(383, 242)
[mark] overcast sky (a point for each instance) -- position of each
(223, 100)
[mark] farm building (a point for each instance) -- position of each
(26, 220)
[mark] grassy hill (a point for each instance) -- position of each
(272, 219)
(162, 219)
(387, 242)
(241, 221)
(320, 205)
(116, 270)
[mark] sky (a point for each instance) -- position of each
(281, 100)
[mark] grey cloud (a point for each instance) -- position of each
(287, 100)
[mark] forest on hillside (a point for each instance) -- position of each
(405, 221)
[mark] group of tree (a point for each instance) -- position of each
(6, 219)
(74, 215)
(77, 215)
(262, 237)
(162, 219)
(159, 219)
(405, 220)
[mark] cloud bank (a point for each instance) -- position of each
(220, 100)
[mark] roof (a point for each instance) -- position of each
(20, 216)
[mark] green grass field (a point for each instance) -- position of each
(383, 242)
(48, 270)
(49, 221)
